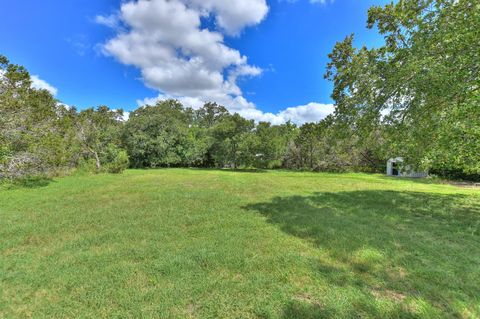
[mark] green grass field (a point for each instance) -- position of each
(221, 244)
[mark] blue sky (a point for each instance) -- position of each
(258, 57)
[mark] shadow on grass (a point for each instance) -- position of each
(418, 252)
(28, 182)
(417, 180)
(231, 170)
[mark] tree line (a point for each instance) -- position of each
(40, 136)
(420, 91)
(417, 96)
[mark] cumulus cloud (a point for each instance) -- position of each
(61, 104)
(80, 44)
(110, 21)
(178, 55)
(233, 16)
(187, 59)
(40, 84)
(236, 104)
(126, 116)
(311, 112)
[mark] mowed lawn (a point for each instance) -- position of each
(181, 243)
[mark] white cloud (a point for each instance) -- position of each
(61, 104)
(235, 104)
(311, 112)
(126, 116)
(184, 60)
(80, 44)
(233, 16)
(180, 57)
(110, 21)
(40, 84)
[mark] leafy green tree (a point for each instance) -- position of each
(414, 85)
(457, 153)
(308, 141)
(98, 131)
(115, 159)
(160, 135)
(228, 134)
(33, 137)
(210, 114)
(273, 143)
(248, 150)
(205, 120)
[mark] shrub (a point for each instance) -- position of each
(115, 160)
(22, 165)
(86, 166)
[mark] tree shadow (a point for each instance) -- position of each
(417, 251)
(231, 170)
(417, 180)
(29, 182)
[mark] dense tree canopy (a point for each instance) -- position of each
(158, 135)
(34, 129)
(40, 136)
(420, 89)
(416, 96)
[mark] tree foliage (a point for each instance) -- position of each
(40, 136)
(34, 135)
(416, 96)
(420, 89)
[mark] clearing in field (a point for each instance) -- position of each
(220, 244)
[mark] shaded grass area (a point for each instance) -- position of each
(418, 252)
(221, 244)
(27, 182)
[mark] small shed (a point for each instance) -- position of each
(397, 167)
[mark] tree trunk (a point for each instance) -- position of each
(97, 160)
(234, 156)
(311, 157)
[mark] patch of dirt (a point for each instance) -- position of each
(465, 184)
(397, 273)
(388, 294)
(238, 277)
(191, 310)
(305, 297)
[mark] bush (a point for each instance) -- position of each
(22, 165)
(455, 174)
(86, 166)
(116, 160)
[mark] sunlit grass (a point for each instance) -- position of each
(221, 244)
